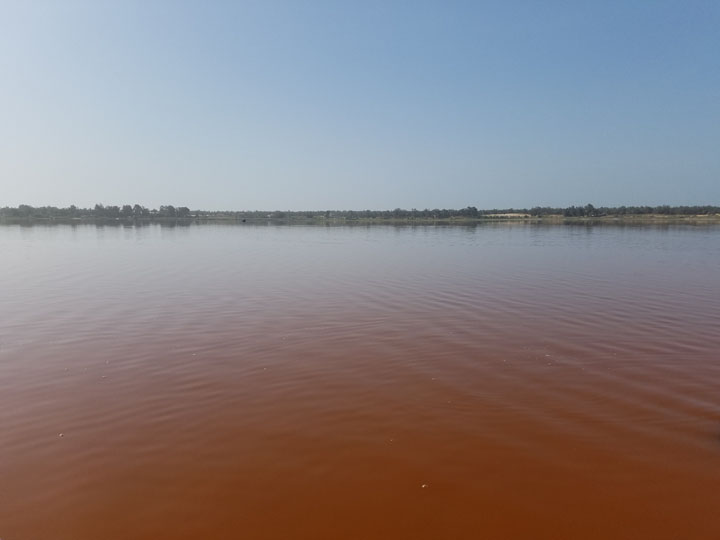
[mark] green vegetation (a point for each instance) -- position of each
(139, 213)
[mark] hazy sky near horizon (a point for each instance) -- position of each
(353, 105)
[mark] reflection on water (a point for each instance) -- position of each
(259, 381)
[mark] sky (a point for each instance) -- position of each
(311, 105)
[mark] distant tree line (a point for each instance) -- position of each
(99, 211)
(590, 211)
(139, 212)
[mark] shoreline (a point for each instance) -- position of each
(460, 220)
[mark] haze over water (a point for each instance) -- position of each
(276, 382)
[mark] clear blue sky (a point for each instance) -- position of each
(352, 105)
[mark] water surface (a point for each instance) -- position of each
(498, 381)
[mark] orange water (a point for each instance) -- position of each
(326, 383)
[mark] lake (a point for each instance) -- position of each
(298, 382)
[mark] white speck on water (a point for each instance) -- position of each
(61, 434)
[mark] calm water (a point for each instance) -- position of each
(355, 383)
